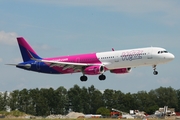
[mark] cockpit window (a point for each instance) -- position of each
(160, 52)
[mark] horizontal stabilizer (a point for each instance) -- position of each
(20, 65)
(12, 64)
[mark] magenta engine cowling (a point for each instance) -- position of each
(121, 70)
(94, 70)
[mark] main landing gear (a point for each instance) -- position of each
(155, 72)
(84, 78)
(102, 77)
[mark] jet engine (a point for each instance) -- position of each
(121, 70)
(94, 70)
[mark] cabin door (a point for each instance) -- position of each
(116, 58)
(149, 54)
(38, 64)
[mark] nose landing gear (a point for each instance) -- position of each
(155, 72)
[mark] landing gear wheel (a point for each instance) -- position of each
(102, 77)
(83, 78)
(155, 72)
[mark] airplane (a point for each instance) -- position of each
(115, 61)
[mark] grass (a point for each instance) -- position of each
(15, 113)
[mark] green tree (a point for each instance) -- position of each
(61, 101)
(14, 100)
(164, 97)
(178, 98)
(142, 101)
(95, 99)
(23, 100)
(151, 109)
(85, 99)
(128, 102)
(112, 99)
(119, 103)
(103, 111)
(34, 97)
(108, 98)
(3, 101)
(74, 95)
(44, 104)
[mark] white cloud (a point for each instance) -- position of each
(8, 38)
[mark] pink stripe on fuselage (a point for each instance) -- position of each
(82, 58)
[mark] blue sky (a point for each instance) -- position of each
(56, 28)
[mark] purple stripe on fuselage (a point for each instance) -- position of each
(81, 58)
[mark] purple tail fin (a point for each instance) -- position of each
(26, 50)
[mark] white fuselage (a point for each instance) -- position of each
(134, 57)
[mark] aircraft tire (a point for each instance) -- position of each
(102, 77)
(155, 72)
(83, 78)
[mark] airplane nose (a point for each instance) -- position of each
(171, 56)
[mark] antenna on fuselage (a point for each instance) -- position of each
(112, 49)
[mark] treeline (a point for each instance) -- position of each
(42, 102)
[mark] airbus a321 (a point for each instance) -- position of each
(118, 61)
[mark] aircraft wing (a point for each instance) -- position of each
(66, 65)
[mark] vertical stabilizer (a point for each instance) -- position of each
(27, 51)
